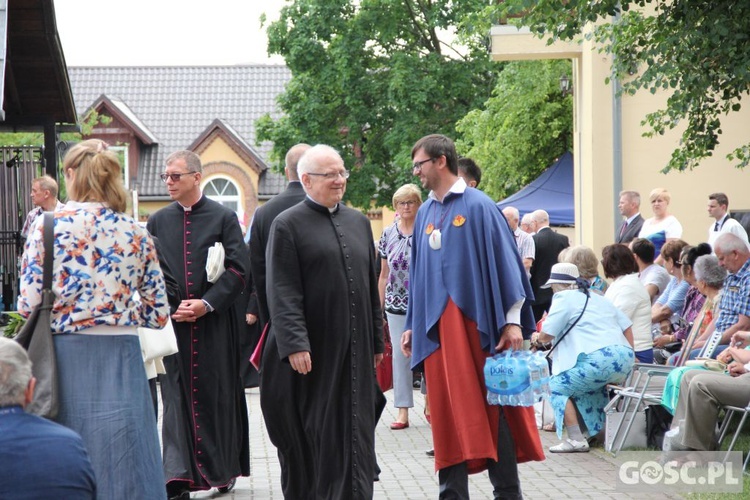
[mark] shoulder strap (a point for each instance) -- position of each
(49, 237)
(549, 353)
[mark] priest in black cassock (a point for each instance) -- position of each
(318, 388)
(261, 225)
(204, 427)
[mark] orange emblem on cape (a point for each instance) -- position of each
(459, 220)
(429, 228)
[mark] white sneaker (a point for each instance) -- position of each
(672, 441)
(570, 446)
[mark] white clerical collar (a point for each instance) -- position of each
(190, 208)
(330, 209)
(458, 187)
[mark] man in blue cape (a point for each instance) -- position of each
(469, 298)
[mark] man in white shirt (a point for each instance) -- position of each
(524, 240)
(528, 225)
(718, 209)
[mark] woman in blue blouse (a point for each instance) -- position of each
(593, 347)
(102, 257)
(395, 251)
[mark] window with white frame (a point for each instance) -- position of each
(225, 191)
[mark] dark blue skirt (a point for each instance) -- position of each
(104, 397)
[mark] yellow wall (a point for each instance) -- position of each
(596, 184)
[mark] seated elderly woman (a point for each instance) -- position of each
(593, 347)
(628, 294)
(588, 266)
(703, 393)
(709, 279)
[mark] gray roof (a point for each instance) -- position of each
(177, 103)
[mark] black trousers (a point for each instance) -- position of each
(454, 480)
(539, 309)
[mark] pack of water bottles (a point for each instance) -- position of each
(516, 378)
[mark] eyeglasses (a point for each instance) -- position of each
(682, 263)
(407, 203)
(174, 177)
(331, 175)
(417, 165)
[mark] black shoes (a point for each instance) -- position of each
(229, 487)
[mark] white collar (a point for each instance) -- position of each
(458, 187)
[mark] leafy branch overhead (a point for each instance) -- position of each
(372, 77)
(696, 51)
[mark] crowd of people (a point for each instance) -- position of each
(675, 302)
(459, 280)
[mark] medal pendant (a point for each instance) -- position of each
(435, 239)
(429, 228)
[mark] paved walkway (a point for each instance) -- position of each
(407, 473)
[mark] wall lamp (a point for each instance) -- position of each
(566, 88)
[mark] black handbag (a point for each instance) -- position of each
(36, 337)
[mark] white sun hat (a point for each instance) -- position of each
(562, 272)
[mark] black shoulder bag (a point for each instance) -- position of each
(36, 337)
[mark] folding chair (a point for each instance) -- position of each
(646, 387)
(729, 412)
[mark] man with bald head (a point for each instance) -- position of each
(264, 216)
(524, 240)
(317, 388)
(549, 244)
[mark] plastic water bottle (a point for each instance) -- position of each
(545, 374)
(540, 376)
(507, 379)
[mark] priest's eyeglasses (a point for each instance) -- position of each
(174, 177)
(331, 175)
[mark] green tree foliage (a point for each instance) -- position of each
(520, 129)
(372, 77)
(696, 50)
(37, 138)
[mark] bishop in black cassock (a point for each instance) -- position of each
(318, 387)
(204, 428)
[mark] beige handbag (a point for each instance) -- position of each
(157, 344)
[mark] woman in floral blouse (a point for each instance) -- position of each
(395, 251)
(102, 257)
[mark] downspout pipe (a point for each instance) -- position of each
(616, 142)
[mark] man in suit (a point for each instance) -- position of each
(260, 226)
(629, 206)
(548, 244)
(40, 459)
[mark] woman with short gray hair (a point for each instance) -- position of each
(709, 279)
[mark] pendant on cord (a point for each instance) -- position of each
(435, 239)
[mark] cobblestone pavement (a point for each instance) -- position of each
(407, 473)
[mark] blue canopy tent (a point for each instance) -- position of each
(551, 191)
